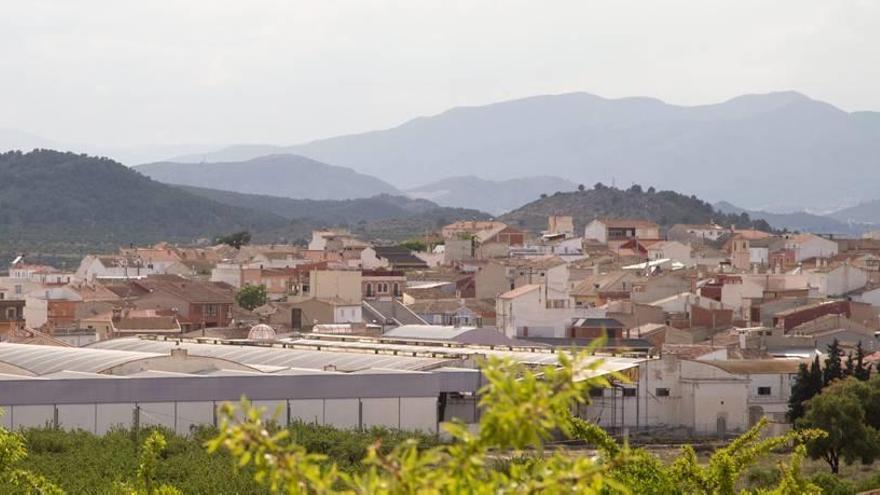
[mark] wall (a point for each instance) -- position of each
(596, 231)
(329, 284)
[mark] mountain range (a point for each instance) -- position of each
(282, 175)
(493, 196)
(665, 208)
(798, 221)
(758, 150)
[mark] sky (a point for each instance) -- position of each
(215, 72)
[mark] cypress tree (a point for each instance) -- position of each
(833, 366)
(800, 393)
(861, 371)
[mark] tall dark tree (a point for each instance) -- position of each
(849, 366)
(800, 393)
(817, 381)
(236, 240)
(833, 367)
(861, 371)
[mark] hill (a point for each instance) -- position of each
(487, 195)
(863, 213)
(380, 217)
(64, 202)
(666, 208)
(277, 175)
(771, 149)
(797, 221)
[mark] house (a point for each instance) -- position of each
(456, 312)
(593, 328)
(392, 258)
(549, 271)
(11, 314)
(335, 241)
(799, 315)
(836, 279)
(54, 307)
(303, 315)
(42, 274)
(467, 240)
(491, 279)
(673, 250)
(344, 285)
(687, 233)
(805, 246)
(125, 322)
(94, 267)
(664, 284)
(196, 304)
(468, 228)
(597, 289)
(698, 398)
(560, 225)
(534, 311)
(606, 230)
(281, 282)
(382, 284)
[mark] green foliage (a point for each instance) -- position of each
(53, 202)
(251, 296)
(417, 245)
(663, 207)
(849, 411)
(833, 367)
(236, 239)
(641, 472)
(146, 483)
(14, 479)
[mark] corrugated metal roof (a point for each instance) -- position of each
(43, 360)
(277, 356)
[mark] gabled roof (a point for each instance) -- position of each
(519, 291)
(399, 256)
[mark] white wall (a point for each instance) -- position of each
(596, 231)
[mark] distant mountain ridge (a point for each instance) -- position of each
(797, 221)
(665, 208)
(867, 212)
(492, 196)
(51, 201)
(283, 175)
(749, 149)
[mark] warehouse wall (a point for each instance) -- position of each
(406, 413)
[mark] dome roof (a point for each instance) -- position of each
(261, 332)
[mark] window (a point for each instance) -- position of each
(629, 392)
(596, 392)
(211, 310)
(763, 390)
(662, 392)
(10, 313)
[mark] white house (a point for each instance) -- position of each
(870, 296)
(806, 246)
(837, 280)
(704, 398)
(92, 267)
(604, 230)
(673, 250)
(534, 311)
(227, 272)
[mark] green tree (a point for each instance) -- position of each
(861, 371)
(581, 187)
(833, 366)
(236, 240)
(146, 483)
(13, 477)
(842, 411)
(414, 245)
(808, 383)
(251, 296)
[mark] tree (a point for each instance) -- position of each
(636, 189)
(414, 245)
(581, 188)
(236, 240)
(849, 367)
(146, 483)
(861, 370)
(808, 383)
(651, 190)
(833, 367)
(599, 186)
(251, 296)
(841, 411)
(13, 477)
(543, 195)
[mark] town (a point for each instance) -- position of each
(703, 327)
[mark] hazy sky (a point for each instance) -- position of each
(120, 72)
